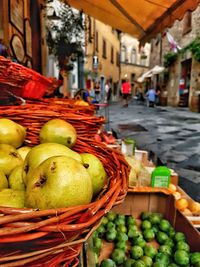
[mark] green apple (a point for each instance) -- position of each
(23, 151)
(9, 158)
(58, 182)
(12, 198)
(3, 181)
(96, 170)
(44, 151)
(15, 179)
(11, 133)
(58, 131)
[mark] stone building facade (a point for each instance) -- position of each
(181, 81)
(102, 52)
(133, 62)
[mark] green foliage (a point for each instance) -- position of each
(170, 58)
(65, 36)
(194, 47)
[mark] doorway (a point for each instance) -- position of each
(184, 86)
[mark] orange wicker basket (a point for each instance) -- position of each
(33, 116)
(54, 237)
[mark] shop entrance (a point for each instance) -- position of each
(184, 87)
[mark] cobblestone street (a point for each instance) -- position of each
(172, 134)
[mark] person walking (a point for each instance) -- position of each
(126, 92)
(97, 91)
(151, 97)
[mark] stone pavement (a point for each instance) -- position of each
(171, 135)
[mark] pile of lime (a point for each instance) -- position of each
(135, 246)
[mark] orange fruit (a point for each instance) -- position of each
(182, 204)
(187, 212)
(177, 195)
(172, 188)
(194, 207)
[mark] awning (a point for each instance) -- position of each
(142, 19)
(155, 70)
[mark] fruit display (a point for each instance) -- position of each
(122, 240)
(33, 116)
(48, 175)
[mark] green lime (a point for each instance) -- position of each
(95, 234)
(155, 229)
(146, 225)
(195, 257)
(162, 258)
(97, 244)
(136, 252)
(140, 242)
(111, 235)
(139, 263)
(101, 230)
(181, 257)
(172, 265)
(148, 234)
(134, 234)
(147, 260)
(165, 249)
(155, 218)
(104, 221)
(119, 221)
(121, 245)
(145, 215)
(158, 264)
(164, 225)
(182, 245)
(121, 237)
(122, 228)
(179, 236)
(129, 263)
(130, 220)
(161, 237)
(169, 242)
(121, 217)
(150, 251)
(171, 232)
(111, 216)
(108, 263)
(110, 225)
(118, 256)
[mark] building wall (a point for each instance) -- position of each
(160, 46)
(132, 65)
(94, 47)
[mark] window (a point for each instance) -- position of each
(117, 59)
(97, 41)
(133, 56)
(112, 55)
(187, 22)
(143, 58)
(123, 53)
(104, 49)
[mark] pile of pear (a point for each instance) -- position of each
(50, 174)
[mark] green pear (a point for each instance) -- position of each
(58, 182)
(9, 158)
(11, 133)
(12, 198)
(3, 181)
(44, 151)
(15, 179)
(23, 151)
(58, 131)
(96, 170)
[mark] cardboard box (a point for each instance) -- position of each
(135, 203)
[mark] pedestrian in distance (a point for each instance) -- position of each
(151, 97)
(126, 92)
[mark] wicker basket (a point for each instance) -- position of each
(54, 237)
(33, 116)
